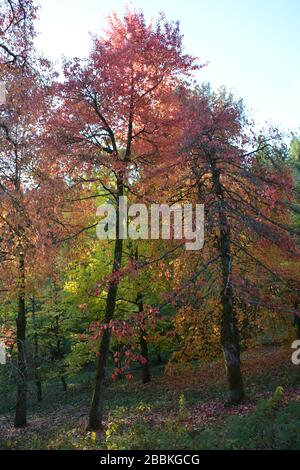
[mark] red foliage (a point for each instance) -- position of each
(125, 332)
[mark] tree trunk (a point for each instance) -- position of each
(97, 405)
(231, 349)
(229, 333)
(159, 358)
(59, 354)
(38, 383)
(64, 384)
(146, 377)
(39, 391)
(21, 406)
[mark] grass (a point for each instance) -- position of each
(60, 420)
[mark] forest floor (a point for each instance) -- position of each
(59, 422)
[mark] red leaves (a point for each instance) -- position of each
(7, 336)
(143, 360)
(126, 334)
(129, 82)
(213, 412)
(131, 269)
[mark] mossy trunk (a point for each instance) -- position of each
(229, 333)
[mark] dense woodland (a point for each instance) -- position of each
(85, 321)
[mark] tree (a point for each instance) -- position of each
(116, 116)
(16, 32)
(245, 198)
(16, 36)
(30, 196)
(294, 150)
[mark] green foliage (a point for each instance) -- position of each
(270, 426)
(294, 150)
(142, 433)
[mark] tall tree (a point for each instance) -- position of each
(29, 196)
(116, 114)
(246, 192)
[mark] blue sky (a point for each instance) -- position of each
(252, 46)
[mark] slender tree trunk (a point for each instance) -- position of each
(97, 405)
(39, 390)
(146, 377)
(159, 358)
(21, 406)
(229, 333)
(38, 383)
(59, 354)
(64, 384)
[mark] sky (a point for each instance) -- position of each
(252, 46)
